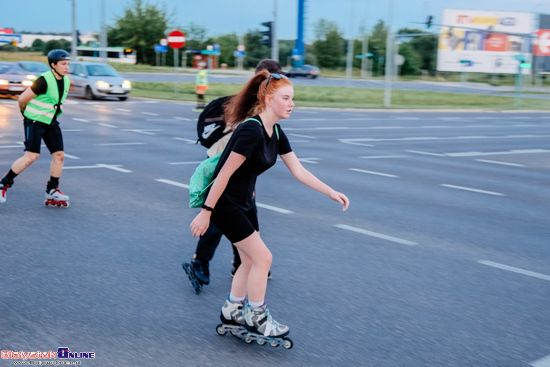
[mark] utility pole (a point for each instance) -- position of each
(349, 63)
(274, 39)
(74, 42)
(389, 58)
(103, 36)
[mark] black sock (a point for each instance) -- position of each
(53, 183)
(11, 175)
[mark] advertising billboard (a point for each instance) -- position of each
(541, 47)
(484, 41)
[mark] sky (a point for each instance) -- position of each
(240, 16)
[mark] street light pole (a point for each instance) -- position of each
(103, 36)
(73, 41)
(274, 39)
(389, 58)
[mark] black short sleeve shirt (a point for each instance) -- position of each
(251, 140)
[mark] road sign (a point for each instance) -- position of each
(161, 48)
(163, 42)
(9, 38)
(176, 39)
(241, 48)
(239, 53)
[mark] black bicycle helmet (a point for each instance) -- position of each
(57, 55)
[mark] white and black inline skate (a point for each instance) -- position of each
(55, 198)
(198, 273)
(253, 324)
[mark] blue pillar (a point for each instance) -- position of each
(300, 40)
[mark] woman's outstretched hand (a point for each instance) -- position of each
(340, 198)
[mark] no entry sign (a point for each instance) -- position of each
(176, 39)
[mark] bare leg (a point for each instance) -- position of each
(251, 277)
(56, 166)
(24, 162)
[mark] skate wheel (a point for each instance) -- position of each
(220, 330)
(261, 341)
(248, 340)
(234, 332)
(288, 343)
(274, 343)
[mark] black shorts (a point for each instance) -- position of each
(236, 224)
(36, 131)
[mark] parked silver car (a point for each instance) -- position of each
(96, 80)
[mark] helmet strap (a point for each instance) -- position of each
(55, 71)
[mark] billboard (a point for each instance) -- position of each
(541, 47)
(484, 41)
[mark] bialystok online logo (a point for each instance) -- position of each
(62, 353)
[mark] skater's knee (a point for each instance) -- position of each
(29, 158)
(59, 156)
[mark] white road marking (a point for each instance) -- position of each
(176, 163)
(312, 119)
(515, 270)
(149, 113)
(303, 136)
(81, 120)
(309, 160)
(107, 125)
(123, 110)
(473, 190)
(114, 167)
(377, 235)
(9, 146)
(406, 118)
(173, 183)
(355, 142)
(71, 156)
(182, 118)
(187, 140)
(113, 144)
(517, 151)
(473, 137)
(142, 131)
(274, 208)
(383, 156)
(425, 153)
(372, 172)
(503, 163)
(543, 362)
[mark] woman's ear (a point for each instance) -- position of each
(268, 100)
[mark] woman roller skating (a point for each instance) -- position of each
(253, 148)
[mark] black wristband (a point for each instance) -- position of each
(206, 207)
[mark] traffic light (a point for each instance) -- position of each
(429, 21)
(78, 42)
(267, 36)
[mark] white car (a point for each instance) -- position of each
(96, 80)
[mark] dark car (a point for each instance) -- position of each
(35, 68)
(13, 79)
(309, 71)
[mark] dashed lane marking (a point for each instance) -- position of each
(372, 172)
(303, 136)
(142, 131)
(274, 208)
(123, 110)
(173, 183)
(425, 153)
(183, 118)
(115, 167)
(543, 362)
(107, 125)
(120, 144)
(176, 163)
(384, 156)
(377, 235)
(502, 163)
(515, 151)
(81, 120)
(187, 140)
(473, 190)
(149, 113)
(516, 270)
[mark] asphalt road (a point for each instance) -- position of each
(441, 260)
(441, 87)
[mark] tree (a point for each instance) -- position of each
(425, 47)
(228, 44)
(329, 44)
(141, 27)
(377, 46)
(62, 44)
(38, 45)
(413, 62)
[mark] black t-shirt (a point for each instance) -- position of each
(251, 140)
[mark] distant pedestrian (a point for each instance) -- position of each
(201, 86)
(40, 106)
(254, 146)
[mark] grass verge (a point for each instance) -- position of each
(342, 97)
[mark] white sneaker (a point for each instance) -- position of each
(3, 191)
(56, 195)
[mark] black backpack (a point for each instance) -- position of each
(211, 124)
